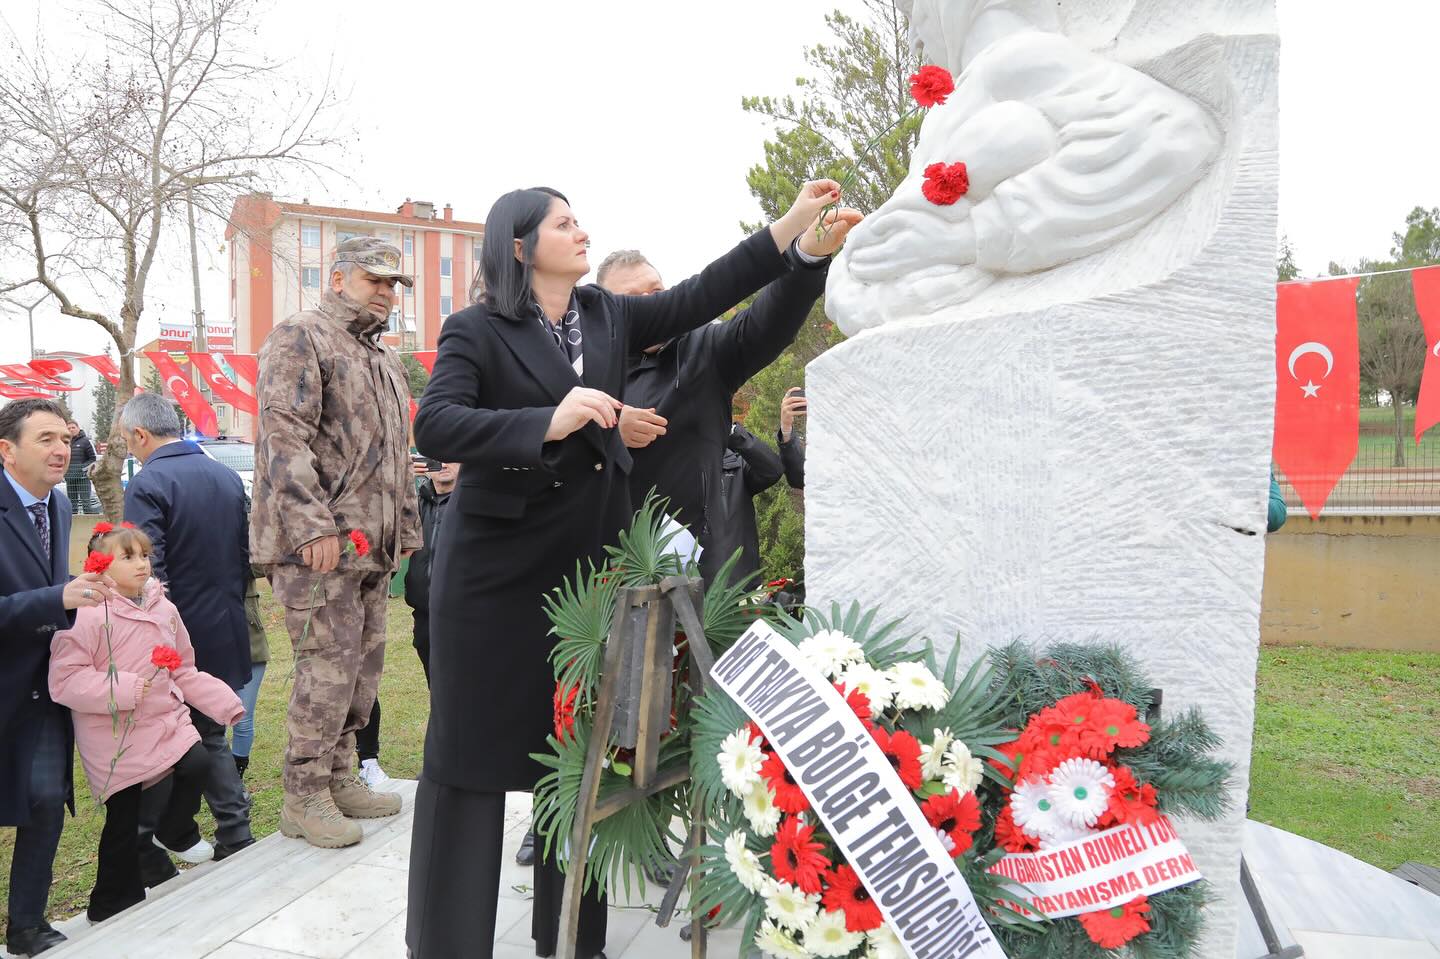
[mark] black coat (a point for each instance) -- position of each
(526, 511)
(31, 610)
(82, 454)
(193, 510)
(749, 468)
(792, 454)
(691, 382)
(417, 574)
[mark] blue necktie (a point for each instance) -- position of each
(42, 526)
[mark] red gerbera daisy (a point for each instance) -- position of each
(845, 891)
(859, 703)
(98, 562)
(565, 711)
(1112, 723)
(945, 183)
(956, 816)
(1112, 928)
(796, 857)
(1011, 836)
(931, 85)
(359, 541)
(789, 797)
(903, 751)
(1130, 801)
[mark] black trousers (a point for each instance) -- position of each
(118, 885)
(32, 864)
(222, 788)
(422, 641)
(455, 881)
(367, 737)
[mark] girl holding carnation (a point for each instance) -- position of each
(526, 393)
(134, 731)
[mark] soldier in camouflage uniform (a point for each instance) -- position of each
(333, 457)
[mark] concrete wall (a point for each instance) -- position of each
(1371, 582)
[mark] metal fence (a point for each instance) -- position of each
(1383, 479)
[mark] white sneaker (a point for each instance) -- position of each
(373, 775)
(202, 851)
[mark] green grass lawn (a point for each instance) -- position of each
(1345, 749)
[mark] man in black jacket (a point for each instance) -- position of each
(792, 444)
(678, 394)
(77, 477)
(749, 468)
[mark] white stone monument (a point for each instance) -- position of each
(1053, 419)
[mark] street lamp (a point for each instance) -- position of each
(29, 316)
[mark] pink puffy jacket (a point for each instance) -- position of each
(162, 731)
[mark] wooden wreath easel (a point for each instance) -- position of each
(633, 707)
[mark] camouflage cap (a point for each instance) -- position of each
(374, 256)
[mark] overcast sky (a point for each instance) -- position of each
(633, 110)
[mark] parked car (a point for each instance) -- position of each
(237, 454)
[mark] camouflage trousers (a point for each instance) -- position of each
(336, 623)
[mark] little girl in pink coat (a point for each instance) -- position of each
(153, 734)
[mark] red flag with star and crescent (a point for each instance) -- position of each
(180, 387)
(224, 387)
(1427, 303)
(1317, 385)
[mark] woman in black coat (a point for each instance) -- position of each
(526, 392)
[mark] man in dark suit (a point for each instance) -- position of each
(193, 510)
(37, 598)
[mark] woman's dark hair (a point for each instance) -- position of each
(515, 216)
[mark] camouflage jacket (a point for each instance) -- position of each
(333, 451)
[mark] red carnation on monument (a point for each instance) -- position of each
(796, 857)
(845, 891)
(930, 85)
(1112, 928)
(903, 751)
(956, 816)
(789, 797)
(361, 544)
(165, 657)
(945, 183)
(98, 562)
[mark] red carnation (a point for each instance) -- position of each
(859, 703)
(956, 816)
(127, 525)
(165, 657)
(1011, 836)
(945, 183)
(1130, 801)
(931, 85)
(1112, 928)
(789, 797)
(564, 710)
(98, 562)
(796, 857)
(903, 751)
(103, 527)
(362, 545)
(845, 891)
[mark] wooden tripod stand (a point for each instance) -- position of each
(633, 708)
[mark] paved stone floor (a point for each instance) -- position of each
(283, 899)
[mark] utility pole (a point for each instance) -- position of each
(199, 314)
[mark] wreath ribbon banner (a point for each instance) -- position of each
(858, 795)
(1109, 868)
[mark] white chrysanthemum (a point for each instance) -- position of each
(830, 651)
(1062, 832)
(884, 944)
(961, 770)
(740, 760)
(916, 687)
(875, 684)
(775, 941)
(1080, 791)
(932, 754)
(828, 937)
(1031, 808)
(744, 863)
(760, 809)
(790, 907)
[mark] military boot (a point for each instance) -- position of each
(316, 819)
(357, 800)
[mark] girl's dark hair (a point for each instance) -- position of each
(515, 216)
(124, 539)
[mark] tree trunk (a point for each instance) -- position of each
(106, 477)
(1399, 409)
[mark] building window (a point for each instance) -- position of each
(445, 266)
(310, 277)
(394, 321)
(409, 244)
(477, 247)
(342, 235)
(310, 236)
(445, 306)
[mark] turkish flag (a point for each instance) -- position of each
(21, 393)
(1427, 303)
(185, 394)
(23, 372)
(105, 367)
(1317, 385)
(245, 365)
(426, 358)
(222, 385)
(51, 368)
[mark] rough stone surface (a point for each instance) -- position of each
(1083, 454)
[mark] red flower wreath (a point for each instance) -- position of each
(903, 751)
(98, 562)
(1112, 928)
(956, 816)
(789, 797)
(1130, 801)
(859, 703)
(945, 183)
(845, 891)
(165, 657)
(931, 85)
(1011, 836)
(796, 857)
